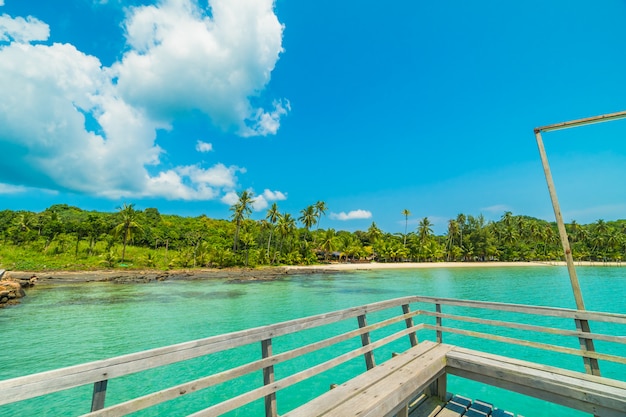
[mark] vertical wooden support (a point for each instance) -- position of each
(409, 324)
(404, 411)
(591, 364)
(271, 409)
(439, 332)
(99, 395)
(439, 387)
(365, 340)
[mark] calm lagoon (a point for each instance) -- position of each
(62, 325)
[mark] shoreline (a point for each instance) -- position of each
(263, 273)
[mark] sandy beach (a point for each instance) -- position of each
(261, 273)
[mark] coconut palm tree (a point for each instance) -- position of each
(328, 242)
(128, 225)
(241, 210)
(308, 217)
(320, 210)
(272, 217)
(285, 226)
(406, 213)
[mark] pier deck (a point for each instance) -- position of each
(388, 386)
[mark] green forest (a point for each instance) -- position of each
(69, 238)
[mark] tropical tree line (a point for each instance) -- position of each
(67, 237)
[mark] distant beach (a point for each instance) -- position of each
(263, 273)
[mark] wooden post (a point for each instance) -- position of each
(99, 395)
(591, 364)
(271, 409)
(404, 411)
(439, 332)
(409, 323)
(365, 340)
(439, 387)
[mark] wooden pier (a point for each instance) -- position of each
(413, 381)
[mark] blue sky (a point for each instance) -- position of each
(372, 107)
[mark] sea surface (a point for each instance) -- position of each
(61, 325)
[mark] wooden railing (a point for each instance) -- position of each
(391, 314)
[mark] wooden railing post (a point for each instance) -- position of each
(439, 332)
(99, 395)
(365, 340)
(586, 345)
(409, 323)
(268, 378)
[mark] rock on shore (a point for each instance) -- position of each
(12, 289)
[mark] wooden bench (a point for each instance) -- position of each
(384, 390)
(592, 394)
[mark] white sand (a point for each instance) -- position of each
(417, 265)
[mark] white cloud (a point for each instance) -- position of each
(1, 2)
(262, 201)
(352, 215)
(259, 202)
(68, 123)
(496, 209)
(22, 30)
(203, 146)
(11, 189)
(274, 195)
(230, 198)
(183, 59)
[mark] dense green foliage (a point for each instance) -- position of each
(65, 237)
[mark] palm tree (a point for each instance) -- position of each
(328, 243)
(128, 225)
(424, 230)
(272, 217)
(453, 231)
(285, 226)
(461, 219)
(241, 210)
(406, 213)
(308, 217)
(320, 209)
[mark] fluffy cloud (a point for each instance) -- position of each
(352, 215)
(183, 59)
(203, 146)
(22, 30)
(68, 123)
(262, 201)
(259, 202)
(1, 2)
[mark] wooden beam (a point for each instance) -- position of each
(268, 379)
(587, 393)
(406, 309)
(365, 340)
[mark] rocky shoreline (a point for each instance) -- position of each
(12, 288)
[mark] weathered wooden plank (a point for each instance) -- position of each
(255, 394)
(538, 345)
(347, 390)
(193, 386)
(21, 388)
(429, 408)
(583, 392)
(529, 327)
(526, 309)
(387, 395)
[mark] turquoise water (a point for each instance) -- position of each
(63, 325)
